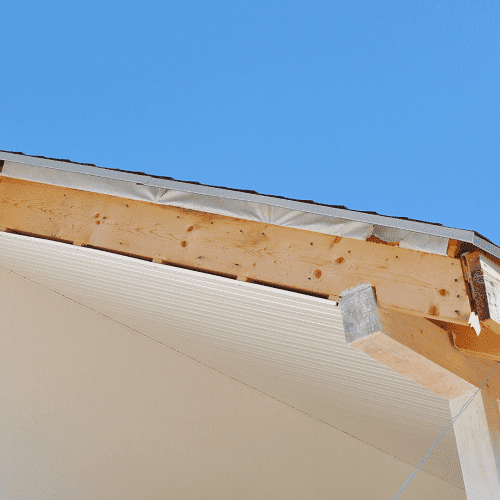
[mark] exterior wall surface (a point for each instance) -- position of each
(92, 410)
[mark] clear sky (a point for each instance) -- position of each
(386, 106)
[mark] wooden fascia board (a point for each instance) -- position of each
(412, 346)
(410, 281)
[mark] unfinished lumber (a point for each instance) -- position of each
(410, 346)
(486, 345)
(413, 347)
(417, 283)
(453, 248)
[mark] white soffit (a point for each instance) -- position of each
(422, 236)
(287, 345)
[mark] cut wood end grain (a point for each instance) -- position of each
(453, 248)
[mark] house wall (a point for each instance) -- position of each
(92, 410)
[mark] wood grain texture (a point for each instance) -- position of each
(453, 248)
(413, 366)
(486, 345)
(411, 346)
(424, 353)
(382, 335)
(406, 280)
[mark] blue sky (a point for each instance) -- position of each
(387, 106)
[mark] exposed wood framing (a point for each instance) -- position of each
(412, 346)
(483, 278)
(453, 248)
(406, 280)
(486, 345)
(407, 309)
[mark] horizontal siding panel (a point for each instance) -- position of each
(288, 345)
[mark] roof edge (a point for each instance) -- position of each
(167, 184)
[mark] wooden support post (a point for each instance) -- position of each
(483, 278)
(411, 346)
(477, 433)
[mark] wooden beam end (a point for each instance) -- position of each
(453, 248)
(408, 345)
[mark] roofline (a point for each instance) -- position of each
(427, 228)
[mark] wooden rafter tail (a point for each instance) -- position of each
(453, 248)
(412, 346)
(423, 352)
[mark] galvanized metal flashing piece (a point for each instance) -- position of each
(359, 313)
(416, 235)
